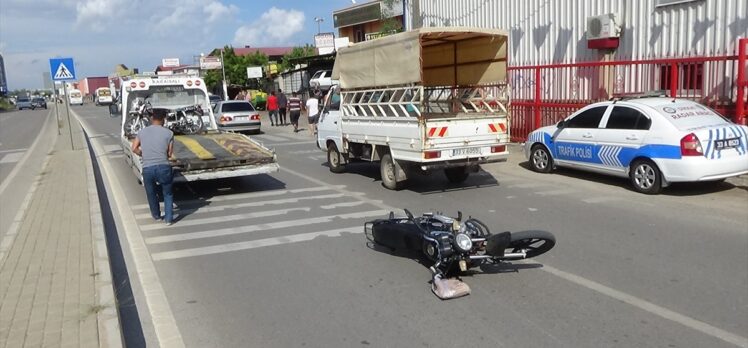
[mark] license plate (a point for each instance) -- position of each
(726, 143)
(240, 118)
(466, 151)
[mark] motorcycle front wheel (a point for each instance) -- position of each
(533, 242)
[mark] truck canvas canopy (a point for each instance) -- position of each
(430, 57)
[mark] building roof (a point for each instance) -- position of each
(169, 68)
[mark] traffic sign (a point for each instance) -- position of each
(62, 69)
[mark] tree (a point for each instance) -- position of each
(297, 52)
(236, 68)
(389, 24)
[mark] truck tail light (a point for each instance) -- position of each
(498, 148)
(432, 154)
(691, 146)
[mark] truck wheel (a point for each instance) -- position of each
(334, 159)
(389, 169)
(456, 175)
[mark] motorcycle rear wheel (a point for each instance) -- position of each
(535, 242)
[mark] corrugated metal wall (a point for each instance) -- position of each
(553, 31)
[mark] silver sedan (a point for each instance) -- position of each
(237, 115)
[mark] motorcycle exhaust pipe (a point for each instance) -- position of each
(508, 256)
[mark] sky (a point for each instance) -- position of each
(99, 34)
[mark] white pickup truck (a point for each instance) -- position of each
(208, 154)
(419, 101)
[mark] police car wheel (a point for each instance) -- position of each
(646, 177)
(540, 160)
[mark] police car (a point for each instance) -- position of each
(652, 141)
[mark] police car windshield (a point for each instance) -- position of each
(689, 115)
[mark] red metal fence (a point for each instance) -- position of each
(544, 94)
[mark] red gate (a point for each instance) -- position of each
(544, 94)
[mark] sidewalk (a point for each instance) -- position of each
(55, 282)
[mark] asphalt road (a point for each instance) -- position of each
(279, 260)
(26, 137)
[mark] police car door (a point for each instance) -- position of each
(575, 143)
(625, 131)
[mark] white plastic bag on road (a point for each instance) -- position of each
(446, 289)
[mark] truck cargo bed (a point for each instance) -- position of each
(219, 150)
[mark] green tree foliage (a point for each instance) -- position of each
(297, 52)
(389, 25)
(236, 69)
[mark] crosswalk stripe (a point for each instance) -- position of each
(258, 243)
(554, 192)
(342, 205)
(261, 227)
(211, 209)
(13, 150)
(295, 143)
(239, 196)
(211, 220)
(268, 137)
(12, 157)
(598, 199)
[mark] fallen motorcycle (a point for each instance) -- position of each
(182, 120)
(454, 246)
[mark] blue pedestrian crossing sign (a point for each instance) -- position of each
(62, 69)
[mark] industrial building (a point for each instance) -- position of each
(565, 54)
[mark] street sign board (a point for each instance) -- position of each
(210, 63)
(170, 62)
(62, 69)
(254, 72)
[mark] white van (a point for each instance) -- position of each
(75, 97)
(103, 96)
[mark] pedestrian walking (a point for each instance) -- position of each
(312, 112)
(272, 107)
(294, 108)
(155, 144)
(282, 105)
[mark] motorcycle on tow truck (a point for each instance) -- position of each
(454, 246)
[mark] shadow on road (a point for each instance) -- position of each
(434, 183)
(675, 189)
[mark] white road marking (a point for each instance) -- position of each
(211, 209)
(11, 157)
(259, 243)
(318, 157)
(164, 323)
(299, 152)
(598, 199)
(14, 150)
(532, 209)
(239, 196)
(261, 227)
(217, 219)
(528, 185)
(650, 307)
(17, 169)
(296, 143)
(555, 192)
(342, 205)
(268, 137)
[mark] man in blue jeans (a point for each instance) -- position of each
(155, 144)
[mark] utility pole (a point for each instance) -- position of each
(223, 72)
(318, 20)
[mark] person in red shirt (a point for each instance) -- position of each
(273, 109)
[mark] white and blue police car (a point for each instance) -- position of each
(652, 141)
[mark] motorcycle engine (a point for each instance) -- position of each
(443, 246)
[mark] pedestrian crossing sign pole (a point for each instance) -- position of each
(63, 69)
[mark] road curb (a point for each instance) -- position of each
(110, 333)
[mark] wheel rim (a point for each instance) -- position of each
(644, 176)
(332, 158)
(389, 171)
(540, 159)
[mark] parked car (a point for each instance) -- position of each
(39, 102)
(24, 103)
(323, 80)
(652, 141)
(214, 99)
(237, 115)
